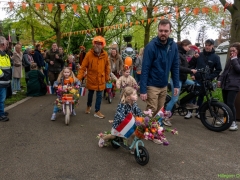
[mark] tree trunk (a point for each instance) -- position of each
(148, 25)
(146, 34)
(32, 33)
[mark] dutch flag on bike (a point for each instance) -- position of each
(126, 128)
(82, 91)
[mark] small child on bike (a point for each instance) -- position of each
(126, 79)
(127, 105)
(66, 77)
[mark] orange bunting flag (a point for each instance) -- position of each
(24, 5)
(149, 20)
(205, 10)
(133, 8)
(122, 8)
(62, 6)
(165, 10)
(136, 23)
(50, 6)
(99, 8)
(155, 19)
(86, 7)
(195, 11)
(215, 9)
(155, 9)
(130, 24)
(176, 9)
(110, 8)
(120, 25)
(37, 6)
(177, 15)
(169, 16)
(223, 23)
(142, 21)
(144, 8)
(10, 5)
(96, 29)
(74, 6)
(187, 9)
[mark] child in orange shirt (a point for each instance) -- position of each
(66, 77)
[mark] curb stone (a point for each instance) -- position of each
(17, 103)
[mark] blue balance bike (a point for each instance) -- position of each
(140, 153)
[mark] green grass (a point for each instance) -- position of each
(19, 96)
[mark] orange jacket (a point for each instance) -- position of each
(98, 70)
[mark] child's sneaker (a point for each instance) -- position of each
(101, 142)
(132, 151)
(74, 112)
(167, 122)
(53, 118)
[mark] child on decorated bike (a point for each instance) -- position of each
(65, 79)
(127, 105)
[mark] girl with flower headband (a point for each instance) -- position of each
(126, 79)
(65, 78)
(127, 105)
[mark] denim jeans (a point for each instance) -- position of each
(3, 92)
(98, 99)
(174, 99)
(16, 84)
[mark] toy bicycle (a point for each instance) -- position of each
(109, 86)
(140, 153)
(67, 106)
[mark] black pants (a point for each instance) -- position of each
(229, 98)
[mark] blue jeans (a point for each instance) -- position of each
(174, 99)
(98, 99)
(3, 92)
(16, 84)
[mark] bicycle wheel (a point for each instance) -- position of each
(221, 118)
(109, 97)
(117, 139)
(67, 114)
(143, 157)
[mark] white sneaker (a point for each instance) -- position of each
(197, 115)
(234, 126)
(189, 115)
(15, 92)
(53, 118)
(74, 112)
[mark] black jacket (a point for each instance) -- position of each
(207, 58)
(57, 66)
(184, 70)
(38, 58)
(230, 78)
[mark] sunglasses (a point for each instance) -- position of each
(98, 43)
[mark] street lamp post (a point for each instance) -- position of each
(128, 14)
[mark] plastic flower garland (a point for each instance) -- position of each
(150, 128)
(67, 89)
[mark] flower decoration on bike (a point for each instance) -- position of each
(65, 91)
(149, 127)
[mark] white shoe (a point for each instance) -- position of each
(234, 126)
(197, 115)
(189, 115)
(15, 92)
(74, 112)
(53, 118)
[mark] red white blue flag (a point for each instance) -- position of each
(82, 91)
(77, 15)
(126, 128)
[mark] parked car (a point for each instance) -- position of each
(223, 47)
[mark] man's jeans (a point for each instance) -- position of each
(3, 92)
(98, 99)
(174, 99)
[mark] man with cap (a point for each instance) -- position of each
(97, 64)
(201, 60)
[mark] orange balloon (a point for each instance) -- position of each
(128, 61)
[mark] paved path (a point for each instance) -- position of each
(34, 148)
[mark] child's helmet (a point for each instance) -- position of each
(99, 39)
